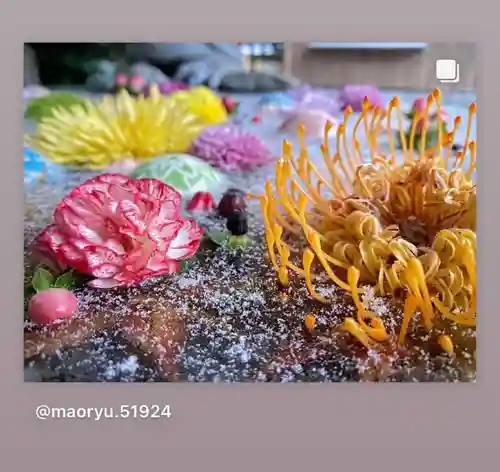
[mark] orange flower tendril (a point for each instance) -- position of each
(402, 227)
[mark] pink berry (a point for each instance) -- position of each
(136, 81)
(51, 305)
(121, 80)
(257, 119)
(230, 104)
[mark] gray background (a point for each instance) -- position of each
(246, 427)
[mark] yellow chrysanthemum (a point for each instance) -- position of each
(204, 103)
(116, 128)
(405, 228)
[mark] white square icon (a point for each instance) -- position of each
(447, 71)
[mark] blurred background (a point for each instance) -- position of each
(323, 76)
(266, 87)
(407, 66)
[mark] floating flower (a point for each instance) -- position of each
(310, 98)
(186, 173)
(405, 228)
(230, 148)
(312, 121)
(201, 201)
(305, 103)
(116, 128)
(120, 231)
(354, 95)
(204, 103)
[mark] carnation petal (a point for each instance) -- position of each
(105, 271)
(132, 213)
(51, 237)
(161, 266)
(156, 189)
(170, 209)
(163, 233)
(109, 178)
(104, 283)
(186, 242)
(71, 253)
(96, 256)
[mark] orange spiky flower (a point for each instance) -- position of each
(402, 227)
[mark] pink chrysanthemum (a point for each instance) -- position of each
(230, 148)
(120, 230)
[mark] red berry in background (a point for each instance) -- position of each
(233, 200)
(51, 305)
(257, 119)
(136, 84)
(230, 104)
(121, 80)
(201, 201)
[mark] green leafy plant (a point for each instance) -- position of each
(187, 264)
(42, 107)
(225, 238)
(432, 135)
(43, 279)
(219, 238)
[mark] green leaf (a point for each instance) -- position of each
(187, 264)
(238, 242)
(42, 279)
(66, 280)
(218, 237)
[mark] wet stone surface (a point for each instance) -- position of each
(224, 319)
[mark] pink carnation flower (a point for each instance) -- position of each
(230, 148)
(120, 230)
